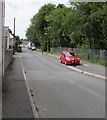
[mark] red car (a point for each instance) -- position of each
(68, 57)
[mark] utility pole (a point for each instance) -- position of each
(59, 45)
(1, 34)
(14, 26)
(14, 43)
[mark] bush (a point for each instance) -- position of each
(19, 49)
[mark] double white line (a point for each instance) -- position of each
(88, 73)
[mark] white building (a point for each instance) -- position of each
(11, 41)
(2, 14)
(6, 37)
(2, 44)
(25, 44)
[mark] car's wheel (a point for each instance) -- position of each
(65, 62)
(60, 61)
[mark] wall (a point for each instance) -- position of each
(8, 53)
(5, 55)
(8, 57)
(6, 36)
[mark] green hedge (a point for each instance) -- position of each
(19, 49)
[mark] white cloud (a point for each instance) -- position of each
(23, 11)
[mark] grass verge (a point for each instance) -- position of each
(93, 61)
(54, 52)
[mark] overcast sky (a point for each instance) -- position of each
(23, 11)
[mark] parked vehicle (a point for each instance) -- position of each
(68, 57)
(30, 47)
(33, 48)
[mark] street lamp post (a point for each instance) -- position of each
(59, 44)
(48, 43)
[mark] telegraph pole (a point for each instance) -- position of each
(14, 44)
(14, 25)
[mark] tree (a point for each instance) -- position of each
(57, 27)
(81, 25)
(38, 26)
(31, 35)
(92, 23)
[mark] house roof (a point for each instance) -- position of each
(25, 42)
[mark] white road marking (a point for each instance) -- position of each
(88, 73)
(71, 82)
(85, 65)
(73, 68)
(45, 109)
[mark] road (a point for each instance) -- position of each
(59, 92)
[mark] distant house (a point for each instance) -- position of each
(26, 44)
(6, 37)
(9, 40)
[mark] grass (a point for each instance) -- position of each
(39, 49)
(93, 61)
(4, 89)
(54, 52)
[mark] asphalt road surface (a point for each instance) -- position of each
(59, 92)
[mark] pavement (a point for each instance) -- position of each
(16, 101)
(0, 91)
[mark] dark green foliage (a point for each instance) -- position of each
(19, 49)
(82, 25)
(37, 32)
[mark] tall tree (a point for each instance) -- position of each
(91, 20)
(40, 24)
(57, 28)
